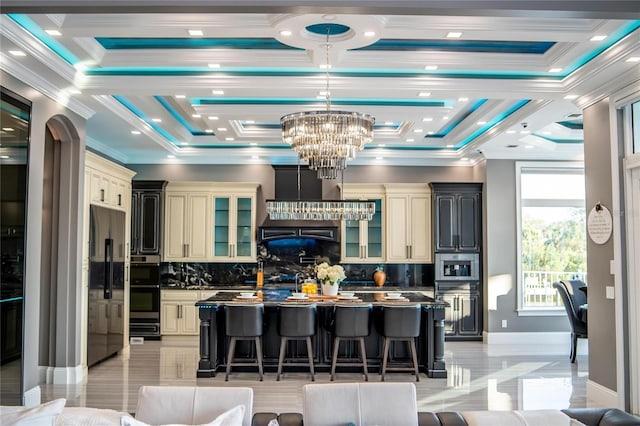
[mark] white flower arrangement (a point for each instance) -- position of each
(330, 274)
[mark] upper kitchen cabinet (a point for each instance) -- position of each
(408, 223)
(108, 185)
(187, 222)
(363, 240)
(234, 218)
(207, 221)
(457, 216)
(146, 216)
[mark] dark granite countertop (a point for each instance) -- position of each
(356, 288)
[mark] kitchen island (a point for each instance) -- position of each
(214, 343)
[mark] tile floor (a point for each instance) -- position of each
(479, 378)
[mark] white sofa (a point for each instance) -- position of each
(360, 404)
(156, 405)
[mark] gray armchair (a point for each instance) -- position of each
(575, 303)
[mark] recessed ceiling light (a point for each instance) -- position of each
(418, 131)
(218, 92)
(430, 67)
(598, 37)
(74, 91)
(463, 99)
(449, 146)
(4, 157)
(250, 122)
(546, 132)
(379, 158)
(54, 33)
(454, 34)
(171, 156)
(208, 131)
(424, 94)
(253, 144)
(17, 53)
(222, 129)
(195, 115)
(524, 132)
(528, 146)
(633, 59)
(445, 118)
(180, 96)
(324, 93)
(430, 133)
(381, 145)
(196, 33)
(569, 97)
(214, 65)
(555, 69)
(464, 159)
(369, 33)
(8, 129)
(427, 119)
(255, 157)
(481, 123)
(228, 139)
(410, 140)
(388, 123)
(285, 33)
(213, 117)
(184, 143)
(325, 66)
(157, 120)
(135, 132)
(510, 132)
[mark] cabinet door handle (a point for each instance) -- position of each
(179, 311)
(102, 195)
(366, 251)
(119, 311)
(410, 252)
(119, 199)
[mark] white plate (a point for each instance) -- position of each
(340, 296)
(297, 298)
(247, 297)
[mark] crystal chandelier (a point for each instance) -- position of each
(327, 139)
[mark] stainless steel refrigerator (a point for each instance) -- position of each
(107, 252)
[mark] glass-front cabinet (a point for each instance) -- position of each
(233, 227)
(363, 241)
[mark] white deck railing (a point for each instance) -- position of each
(538, 287)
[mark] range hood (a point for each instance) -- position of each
(286, 188)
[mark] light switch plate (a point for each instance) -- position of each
(610, 292)
(612, 267)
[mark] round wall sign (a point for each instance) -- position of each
(599, 224)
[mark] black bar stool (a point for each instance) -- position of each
(244, 322)
(401, 322)
(296, 322)
(351, 322)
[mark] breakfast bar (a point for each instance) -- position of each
(214, 342)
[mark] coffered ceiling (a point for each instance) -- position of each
(447, 85)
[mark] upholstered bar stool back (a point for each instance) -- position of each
(401, 322)
(296, 322)
(244, 322)
(351, 322)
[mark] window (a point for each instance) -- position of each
(551, 232)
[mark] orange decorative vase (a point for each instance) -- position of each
(379, 277)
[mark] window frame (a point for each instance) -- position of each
(551, 166)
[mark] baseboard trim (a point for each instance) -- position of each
(601, 396)
(66, 375)
(32, 397)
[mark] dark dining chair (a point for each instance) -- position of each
(575, 303)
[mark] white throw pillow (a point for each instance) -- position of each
(231, 417)
(40, 415)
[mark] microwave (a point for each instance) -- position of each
(457, 267)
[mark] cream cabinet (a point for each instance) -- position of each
(363, 240)
(408, 223)
(208, 221)
(179, 314)
(186, 224)
(107, 186)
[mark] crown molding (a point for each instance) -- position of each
(43, 86)
(106, 150)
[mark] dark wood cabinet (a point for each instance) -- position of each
(146, 216)
(462, 318)
(457, 216)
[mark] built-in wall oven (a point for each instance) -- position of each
(144, 312)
